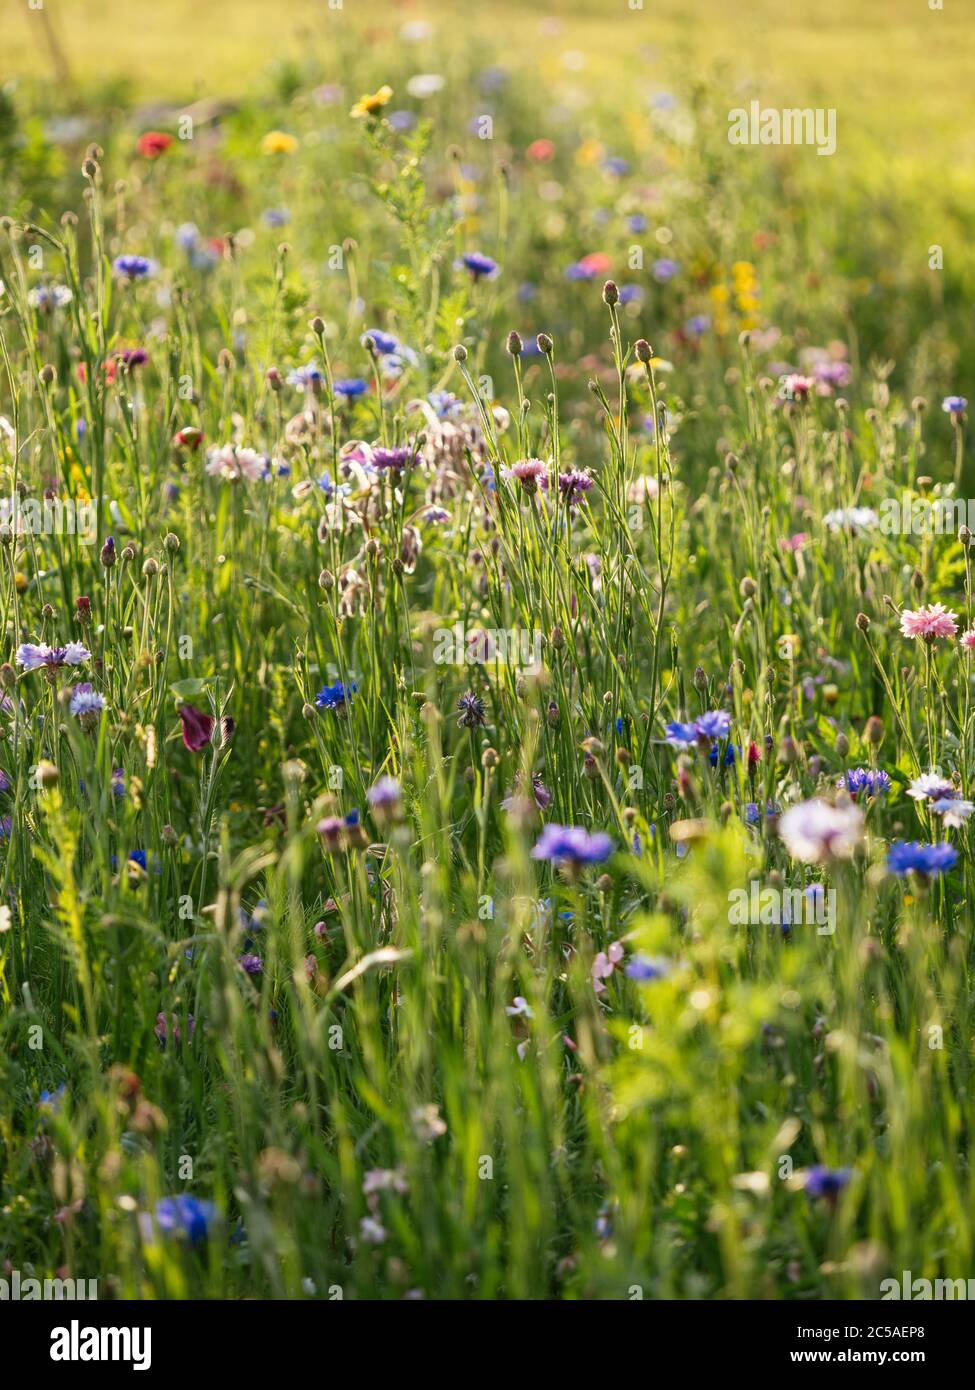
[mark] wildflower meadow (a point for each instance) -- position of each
(487, 736)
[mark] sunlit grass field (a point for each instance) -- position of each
(480, 575)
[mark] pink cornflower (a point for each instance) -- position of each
(529, 472)
(967, 639)
(931, 622)
(604, 965)
(793, 543)
(795, 387)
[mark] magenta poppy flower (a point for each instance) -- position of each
(197, 727)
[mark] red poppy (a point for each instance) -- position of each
(597, 262)
(541, 150)
(197, 727)
(153, 144)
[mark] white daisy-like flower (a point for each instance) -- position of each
(519, 1008)
(425, 84)
(931, 786)
(815, 831)
(851, 519)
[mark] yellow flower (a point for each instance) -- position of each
(369, 105)
(590, 152)
(21, 581)
(279, 142)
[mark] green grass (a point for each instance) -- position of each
(426, 1009)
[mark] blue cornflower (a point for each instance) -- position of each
(384, 343)
(187, 1217)
(954, 405)
(864, 779)
(826, 1182)
(310, 375)
(50, 1101)
(445, 404)
(478, 265)
(905, 856)
(715, 724)
(336, 696)
(572, 844)
(275, 217)
(648, 968)
(134, 267)
(731, 752)
(350, 387)
(681, 733)
(86, 702)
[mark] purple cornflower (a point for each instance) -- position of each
(664, 269)
(384, 795)
(478, 265)
(470, 710)
(905, 856)
(572, 844)
(32, 657)
(396, 459)
(574, 485)
(251, 964)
